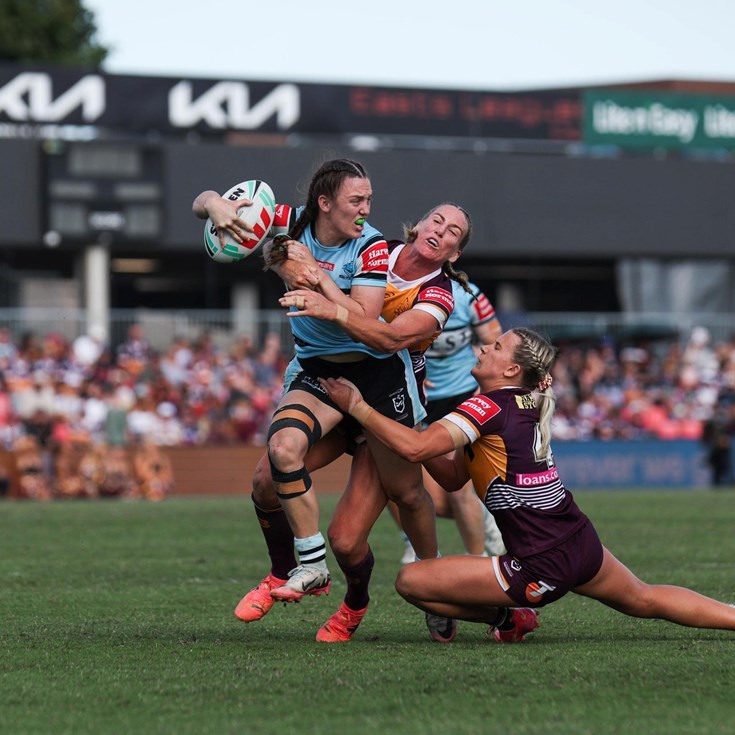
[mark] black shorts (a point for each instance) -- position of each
(537, 580)
(386, 384)
(440, 407)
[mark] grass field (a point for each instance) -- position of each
(117, 618)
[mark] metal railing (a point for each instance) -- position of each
(225, 326)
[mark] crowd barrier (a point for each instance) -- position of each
(676, 464)
(213, 470)
(229, 470)
(582, 465)
(590, 465)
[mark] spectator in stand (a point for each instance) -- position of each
(116, 421)
(4, 478)
(717, 436)
(270, 363)
(142, 418)
(87, 349)
(35, 407)
(8, 351)
(134, 354)
(175, 364)
(7, 413)
(169, 431)
(118, 479)
(94, 410)
(154, 474)
(77, 474)
(606, 391)
(34, 477)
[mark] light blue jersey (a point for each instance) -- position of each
(359, 262)
(451, 357)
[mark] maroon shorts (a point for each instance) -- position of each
(537, 580)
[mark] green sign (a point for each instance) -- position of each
(658, 120)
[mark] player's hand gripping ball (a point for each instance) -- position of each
(259, 216)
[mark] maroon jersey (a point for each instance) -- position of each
(533, 509)
(431, 293)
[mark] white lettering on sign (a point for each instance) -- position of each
(719, 122)
(657, 119)
(29, 97)
(227, 105)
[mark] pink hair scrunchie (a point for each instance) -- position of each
(546, 382)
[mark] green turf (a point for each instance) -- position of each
(117, 618)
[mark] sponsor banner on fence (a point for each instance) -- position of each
(41, 101)
(632, 464)
(658, 120)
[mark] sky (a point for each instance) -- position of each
(477, 44)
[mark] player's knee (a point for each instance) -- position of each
(287, 449)
(343, 543)
(293, 430)
(264, 492)
(409, 497)
(645, 603)
(406, 582)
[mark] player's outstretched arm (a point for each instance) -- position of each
(412, 445)
(409, 328)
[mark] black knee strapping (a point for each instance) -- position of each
(293, 483)
(296, 417)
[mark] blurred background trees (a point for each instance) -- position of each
(49, 31)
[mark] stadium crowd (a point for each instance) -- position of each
(68, 409)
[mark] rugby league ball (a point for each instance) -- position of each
(259, 216)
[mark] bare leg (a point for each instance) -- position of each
(402, 483)
(459, 587)
(616, 586)
(324, 452)
(463, 506)
(274, 526)
(277, 533)
(287, 448)
(358, 508)
(468, 514)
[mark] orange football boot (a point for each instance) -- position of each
(258, 601)
(340, 627)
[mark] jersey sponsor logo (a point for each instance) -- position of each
(375, 258)
(325, 266)
(483, 308)
(536, 590)
(438, 296)
(526, 401)
(532, 479)
(281, 215)
(479, 408)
